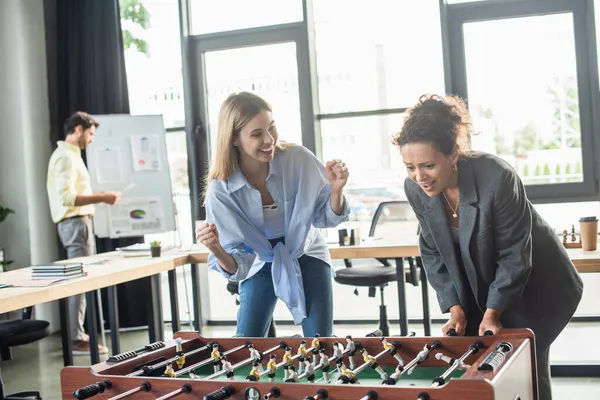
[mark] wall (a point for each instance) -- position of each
(29, 236)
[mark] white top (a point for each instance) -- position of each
(274, 223)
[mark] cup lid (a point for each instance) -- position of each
(588, 219)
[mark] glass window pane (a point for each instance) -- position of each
(270, 71)
(522, 90)
(210, 16)
(376, 170)
(153, 59)
(382, 56)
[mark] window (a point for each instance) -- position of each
(367, 77)
(523, 95)
(151, 39)
(382, 56)
(211, 16)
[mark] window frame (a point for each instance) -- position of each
(458, 14)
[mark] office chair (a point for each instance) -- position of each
(233, 288)
(379, 276)
(17, 333)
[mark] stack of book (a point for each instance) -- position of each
(57, 271)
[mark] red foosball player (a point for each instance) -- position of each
(216, 355)
(316, 345)
(179, 352)
(272, 368)
(372, 361)
(289, 362)
(254, 374)
(227, 367)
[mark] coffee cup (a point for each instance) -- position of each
(588, 230)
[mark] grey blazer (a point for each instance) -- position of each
(512, 258)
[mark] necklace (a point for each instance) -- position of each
(454, 210)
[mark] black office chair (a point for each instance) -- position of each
(388, 216)
(17, 333)
(233, 288)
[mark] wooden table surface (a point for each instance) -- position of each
(118, 269)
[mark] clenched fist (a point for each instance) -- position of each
(337, 173)
(208, 235)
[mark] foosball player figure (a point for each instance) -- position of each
(373, 363)
(347, 375)
(451, 361)
(316, 345)
(309, 370)
(272, 368)
(179, 352)
(324, 365)
(254, 374)
(289, 362)
(351, 347)
(227, 367)
(292, 375)
(302, 353)
(216, 355)
(338, 353)
(394, 377)
(169, 371)
(392, 348)
(256, 355)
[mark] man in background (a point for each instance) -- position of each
(72, 208)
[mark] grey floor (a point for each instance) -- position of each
(37, 366)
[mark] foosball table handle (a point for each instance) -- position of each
(92, 390)
(222, 394)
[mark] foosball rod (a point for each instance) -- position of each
(364, 366)
(185, 389)
(281, 364)
(473, 349)
(421, 356)
(242, 363)
(132, 354)
(145, 386)
(371, 395)
(207, 361)
(149, 368)
(318, 367)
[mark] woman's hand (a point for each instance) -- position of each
(208, 235)
(490, 322)
(457, 321)
(337, 173)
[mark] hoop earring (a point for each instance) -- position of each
(454, 167)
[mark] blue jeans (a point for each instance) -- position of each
(257, 300)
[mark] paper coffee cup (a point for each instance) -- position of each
(588, 229)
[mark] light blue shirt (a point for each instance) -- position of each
(298, 183)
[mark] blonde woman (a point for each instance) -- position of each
(264, 202)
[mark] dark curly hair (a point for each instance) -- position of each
(442, 121)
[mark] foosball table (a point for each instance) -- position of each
(499, 367)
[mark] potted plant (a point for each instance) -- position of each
(155, 248)
(4, 213)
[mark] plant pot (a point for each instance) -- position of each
(155, 251)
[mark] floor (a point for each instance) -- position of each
(37, 366)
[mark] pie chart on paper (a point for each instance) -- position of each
(137, 214)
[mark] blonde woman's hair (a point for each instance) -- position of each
(236, 111)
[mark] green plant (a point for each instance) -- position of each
(4, 213)
(155, 243)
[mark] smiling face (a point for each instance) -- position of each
(428, 167)
(257, 139)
